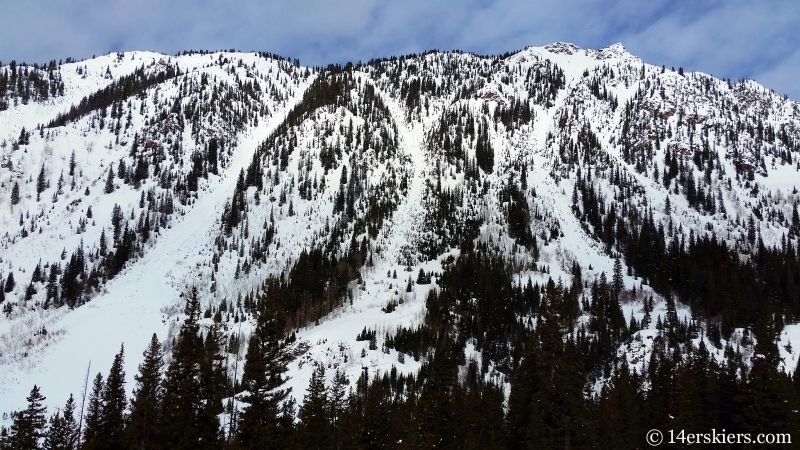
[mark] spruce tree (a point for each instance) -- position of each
(213, 384)
(143, 431)
(28, 426)
(62, 433)
(5, 443)
(113, 418)
(92, 431)
(109, 188)
(40, 184)
(10, 283)
(266, 421)
(15, 194)
(70, 423)
(617, 281)
(185, 422)
(337, 402)
(72, 164)
(314, 429)
(52, 285)
(438, 410)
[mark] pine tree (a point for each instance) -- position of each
(211, 155)
(438, 411)
(28, 426)
(109, 188)
(617, 281)
(751, 230)
(40, 184)
(143, 431)
(314, 430)
(10, 283)
(70, 423)
(60, 184)
(52, 285)
(62, 433)
(72, 164)
(113, 418)
(794, 229)
(15, 194)
(185, 422)
(103, 245)
(213, 384)
(92, 432)
(266, 421)
(337, 402)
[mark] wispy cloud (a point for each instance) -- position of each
(729, 38)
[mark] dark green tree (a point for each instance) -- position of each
(41, 184)
(266, 421)
(617, 283)
(28, 426)
(62, 433)
(109, 188)
(113, 417)
(72, 164)
(15, 194)
(92, 428)
(143, 428)
(314, 429)
(185, 422)
(337, 402)
(10, 283)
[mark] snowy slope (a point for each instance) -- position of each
(603, 112)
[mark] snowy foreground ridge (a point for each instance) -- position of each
(129, 178)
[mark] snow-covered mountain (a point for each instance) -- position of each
(129, 178)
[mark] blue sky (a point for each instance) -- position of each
(728, 38)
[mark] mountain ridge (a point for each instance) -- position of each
(461, 131)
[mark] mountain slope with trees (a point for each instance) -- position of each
(584, 244)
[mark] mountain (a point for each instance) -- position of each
(404, 196)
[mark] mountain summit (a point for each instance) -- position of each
(389, 203)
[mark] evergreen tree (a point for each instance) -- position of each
(15, 194)
(337, 402)
(109, 188)
(185, 420)
(314, 429)
(10, 283)
(212, 155)
(5, 443)
(617, 281)
(52, 285)
(213, 384)
(28, 426)
(143, 430)
(62, 433)
(70, 423)
(439, 413)
(266, 421)
(557, 409)
(113, 418)
(40, 183)
(619, 420)
(92, 429)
